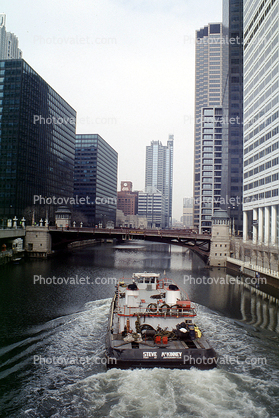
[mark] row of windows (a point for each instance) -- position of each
(259, 23)
(260, 196)
(252, 77)
(267, 122)
(263, 167)
(266, 150)
(269, 94)
(12, 75)
(261, 182)
(255, 17)
(263, 37)
(251, 100)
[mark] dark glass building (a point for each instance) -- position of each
(37, 134)
(233, 21)
(95, 179)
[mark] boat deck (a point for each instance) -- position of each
(118, 342)
(151, 325)
(145, 298)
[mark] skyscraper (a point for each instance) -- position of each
(95, 179)
(233, 21)
(37, 138)
(218, 170)
(210, 149)
(8, 42)
(261, 122)
(159, 173)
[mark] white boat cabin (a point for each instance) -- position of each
(146, 281)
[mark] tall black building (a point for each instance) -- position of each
(37, 132)
(233, 21)
(95, 179)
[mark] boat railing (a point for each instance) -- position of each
(162, 284)
(158, 311)
(184, 295)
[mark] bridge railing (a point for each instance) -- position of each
(128, 230)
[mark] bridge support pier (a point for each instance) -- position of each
(38, 242)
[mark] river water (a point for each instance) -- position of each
(52, 340)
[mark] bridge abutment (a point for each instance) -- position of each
(38, 242)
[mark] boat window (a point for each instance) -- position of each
(152, 279)
(132, 286)
(147, 280)
(140, 280)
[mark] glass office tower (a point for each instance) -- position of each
(37, 132)
(95, 179)
(233, 22)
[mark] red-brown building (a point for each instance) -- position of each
(127, 200)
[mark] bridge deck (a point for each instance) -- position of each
(199, 243)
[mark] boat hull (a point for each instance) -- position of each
(203, 359)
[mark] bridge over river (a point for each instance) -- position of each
(199, 243)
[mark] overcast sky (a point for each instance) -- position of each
(126, 66)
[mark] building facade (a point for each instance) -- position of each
(187, 218)
(95, 179)
(213, 181)
(8, 42)
(159, 173)
(233, 22)
(210, 143)
(127, 200)
(130, 221)
(152, 205)
(261, 122)
(218, 169)
(37, 141)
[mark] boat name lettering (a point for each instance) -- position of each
(171, 354)
(149, 354)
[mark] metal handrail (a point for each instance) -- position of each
(133, 311)
(166, 282)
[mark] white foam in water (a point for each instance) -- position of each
(84, 391)
(163, 393)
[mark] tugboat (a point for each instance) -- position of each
(151, 325)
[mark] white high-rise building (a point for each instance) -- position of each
(8, 42)
(152, 206)
(210, 149)
(261, 122)
(159, 173)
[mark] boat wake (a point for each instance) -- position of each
(59, 388)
